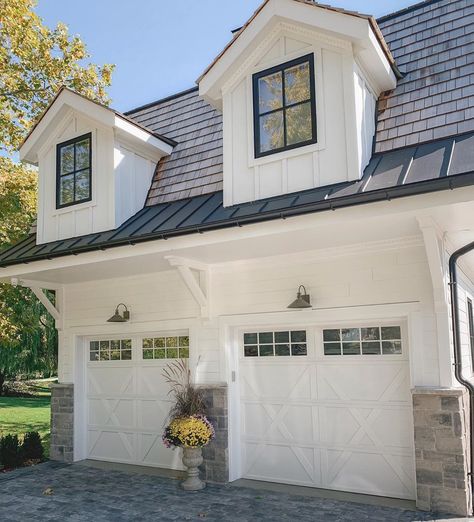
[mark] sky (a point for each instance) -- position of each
(160, 47)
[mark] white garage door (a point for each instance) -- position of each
(328, 408)
(127, 398)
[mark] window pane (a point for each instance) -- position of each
(298, 349)
(66, 189)
(350, 334)
(171, 341)
(115, 345)
(282, 349)
(370, 334)
(147, 343)
(67, 159)
(266, 349)
(104, 355)
(270, 93)
(148, 353)
(331, 335)
(160, 353)
(172, 353)
(391, 347)
(351, 348)
(251, 351)
(82, 154)
(160, 342)
(298, 124)
(371, 348)
(391, 332)
(298, 336)
(126, 355)
(297, 84)
(83, 179)
(126, 344)
(271, 131)
(265, 337)
(250, 338)
(332, 348)
(184, 353)
(115, 355)
(94, 345)
(104, 345)
(94, 356)
(184, 341)
(282, 337)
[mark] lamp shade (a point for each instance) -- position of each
(120, 317)
(302, 299)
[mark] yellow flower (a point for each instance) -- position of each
(191, 431)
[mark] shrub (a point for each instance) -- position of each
(31, 448)
(17, 389)
(10, 454)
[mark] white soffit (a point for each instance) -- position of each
(355, 29)
(67, 101)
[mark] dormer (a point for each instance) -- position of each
(95, 166)
(297, 87)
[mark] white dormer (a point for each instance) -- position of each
(297, 87)
(95, 167)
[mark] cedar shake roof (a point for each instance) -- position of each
(433, 45)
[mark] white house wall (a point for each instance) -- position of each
(465, 291)
(345, 108)
(133, 174)
(92, 216)
(341, 287)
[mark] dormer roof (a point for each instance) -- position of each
(361, 30)
(65, 100)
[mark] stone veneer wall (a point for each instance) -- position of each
(62, 422)
(442, 451)
(216, 456)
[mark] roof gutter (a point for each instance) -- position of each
(453, 286)
(413, 189)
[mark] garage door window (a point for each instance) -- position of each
(370, 340)
(173, 347)
(269, 344)
(111, 350)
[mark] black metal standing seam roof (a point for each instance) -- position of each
(439, 165)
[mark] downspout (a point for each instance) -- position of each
(453, 285)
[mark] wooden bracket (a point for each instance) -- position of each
(38, 287)
(195, 276)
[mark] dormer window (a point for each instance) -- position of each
(73, 171)
(284, 107)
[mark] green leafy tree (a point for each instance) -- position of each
(35, 61)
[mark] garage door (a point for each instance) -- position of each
(127, 398)
(329, 408)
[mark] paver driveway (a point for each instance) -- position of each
(81, 493)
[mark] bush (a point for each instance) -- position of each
(17, 389)
(10, 452)
(31, 449)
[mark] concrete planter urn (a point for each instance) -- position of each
(192, 459)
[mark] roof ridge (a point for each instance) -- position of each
(406, 10)
(162, 100)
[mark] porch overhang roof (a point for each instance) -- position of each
(439, 165)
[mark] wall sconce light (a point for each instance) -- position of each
(302, 299)
(120, 317)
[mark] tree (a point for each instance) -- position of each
(35, 61)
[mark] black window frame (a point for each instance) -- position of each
(59, 146)
(309, 58)
(470, 321)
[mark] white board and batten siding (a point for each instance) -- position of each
(345, 114)
(121, 178)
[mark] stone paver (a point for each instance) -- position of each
(81, 493)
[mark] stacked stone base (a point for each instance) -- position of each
(62, 422)
(216, 459)
(441, 418)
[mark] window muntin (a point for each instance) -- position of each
(284, 106)
(371, 340)
(470, 320)
(281, 343)
(169, 347)
(110, 350)
(74, 171)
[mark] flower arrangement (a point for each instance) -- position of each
(193, 431)
(188, 426)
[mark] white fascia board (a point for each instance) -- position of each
(419, 204)
(129, 133)
(343, 26)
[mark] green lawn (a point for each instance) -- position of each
(19, 415)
